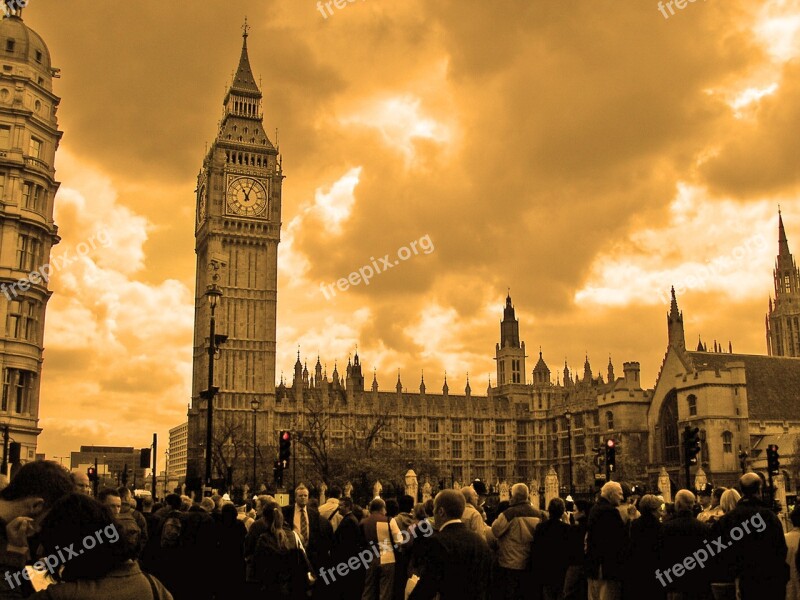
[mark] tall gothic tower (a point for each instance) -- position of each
(237, 230)
(29, 138)
(510, 353)
(783, 327)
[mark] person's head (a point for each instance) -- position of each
(556, 509)
(519, 494)
(470, 495)
(480, 489)
(428, 506)
(684, 501)
(147, 504)
(704, 495)
(650, 505)
(126, 497)
(262, 501)
(301, 496)
(228, 513)
(34, 489)
(207, 504)
(392, 508)
(186, 503)
(173, 501)
(794, 516)
(730, 498)
(581, 508)
(406, 503)
(82, 483)
(448, 505)
(345, 505)
(110, 497)
(377, 506)
(612, 493)
(73, 520)
(334, 492)
(716, 496)
(750, 484)
(419, 511)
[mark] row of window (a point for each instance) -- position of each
(22, 322)
(17, 390)
(34, 196)
(11, 45)
(35, 145)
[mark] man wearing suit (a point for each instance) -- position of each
(457, 559)
(315, 533)
(346, 544)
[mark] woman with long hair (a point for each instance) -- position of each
(279, 558)
(722, 566)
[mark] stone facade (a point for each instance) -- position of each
(29, 138)
(237, 231)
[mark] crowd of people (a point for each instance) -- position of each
(59, 542)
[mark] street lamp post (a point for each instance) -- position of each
(254, 404)
(166, 468)
(213, 293)
(568, 416)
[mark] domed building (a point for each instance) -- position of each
(29, 138)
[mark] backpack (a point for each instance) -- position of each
(171, 530)
(131, 532)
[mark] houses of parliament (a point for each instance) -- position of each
(515, 430)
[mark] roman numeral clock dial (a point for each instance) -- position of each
(246, 197)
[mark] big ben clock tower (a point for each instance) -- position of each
(237, 230)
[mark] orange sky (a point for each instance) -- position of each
(585, 154)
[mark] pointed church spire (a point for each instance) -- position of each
(467, 388)
(611, 377)
(783, 243)
(675, 333)
(243, 80)
(399, 386)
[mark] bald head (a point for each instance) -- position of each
(684, 500)
(519, 494)
(612, 493)
(448, 505)
(750, 484)
(470, 495)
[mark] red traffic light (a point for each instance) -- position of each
(610, 443)
(286, 436)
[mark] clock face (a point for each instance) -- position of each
(246, 197)
(202, 198)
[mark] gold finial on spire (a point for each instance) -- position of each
(245, 28)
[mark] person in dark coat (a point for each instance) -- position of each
(316, 534)
(575, 585)
(229, 536)
(346, 543)
(550, 552)
(606, 545)
(278, 559)
(682, 536)
(645, 550)
(758, 555)
(458, 560)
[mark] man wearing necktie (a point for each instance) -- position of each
(315, 533)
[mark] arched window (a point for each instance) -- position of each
(692, 401)
(727, 442)
(668, 423)
(609, 420)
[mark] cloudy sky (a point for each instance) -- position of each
(586, 154)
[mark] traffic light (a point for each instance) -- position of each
(91, 474)
(773, 462)
(144, 458)
(284, 448)
(691, 444)
(611, 455)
